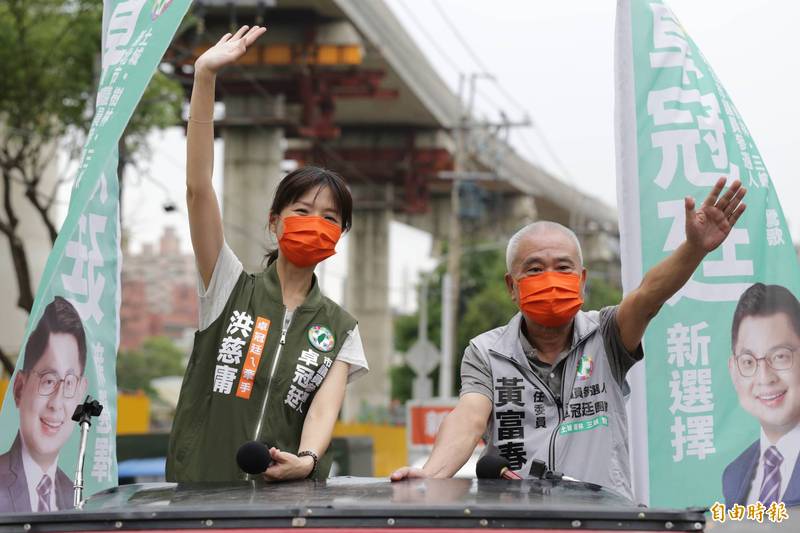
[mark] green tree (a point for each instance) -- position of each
(49, 57)
(158, 357)
(48, 53)
(600, 293)
(483, 304)
(401, 379)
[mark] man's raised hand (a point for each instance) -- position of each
(710, 225)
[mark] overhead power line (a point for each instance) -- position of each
(460, 37)
(433, 42)
(476, 59)
(561, 167)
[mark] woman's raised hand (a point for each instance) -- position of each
(228, 49)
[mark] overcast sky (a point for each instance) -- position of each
(555, 60)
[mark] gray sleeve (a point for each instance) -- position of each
(620, 359)
(476, 374)
(214, 297)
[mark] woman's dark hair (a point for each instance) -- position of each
(300, 181)
(765, 300)
(59, 317)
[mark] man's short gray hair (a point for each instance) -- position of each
(539, 227)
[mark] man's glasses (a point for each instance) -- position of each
(49, 381)
(779, 359)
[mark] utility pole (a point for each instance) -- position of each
(451, 281)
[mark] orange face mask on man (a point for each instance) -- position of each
(550, 298)
(307, 240)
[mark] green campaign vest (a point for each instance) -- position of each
(240, 362)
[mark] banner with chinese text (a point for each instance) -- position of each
(70, 344)
(677, 132)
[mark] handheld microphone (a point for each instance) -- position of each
(253, 457)
(494, 467)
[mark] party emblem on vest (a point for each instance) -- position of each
(321, 338)
(584, 367)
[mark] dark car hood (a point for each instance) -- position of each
(363, 502)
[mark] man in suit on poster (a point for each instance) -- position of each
(766, 375)
(46, 391)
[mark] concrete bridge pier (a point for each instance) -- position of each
(252, 170)
(367, 298)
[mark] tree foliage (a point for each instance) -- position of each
(401, 379)
(600, 293)
(158, 357)
(48, 53)
(49, 62)
(483, 304)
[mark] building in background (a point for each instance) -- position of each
(159, 294)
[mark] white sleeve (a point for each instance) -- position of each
(352, 353)
(223, 280)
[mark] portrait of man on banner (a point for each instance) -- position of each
(46, 390)
(765, 336)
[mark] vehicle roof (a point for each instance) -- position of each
(362, 502)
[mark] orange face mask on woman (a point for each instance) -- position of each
(550, 298)
(308, 240)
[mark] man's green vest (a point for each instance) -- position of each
(247, 379)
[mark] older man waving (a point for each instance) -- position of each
(550, 385)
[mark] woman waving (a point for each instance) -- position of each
(272, 355)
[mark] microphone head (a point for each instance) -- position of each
(491, 467)
(253, 457)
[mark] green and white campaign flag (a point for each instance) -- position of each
(71, 340)
(677, 133)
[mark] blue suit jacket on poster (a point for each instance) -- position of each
(14, 497)
(738, 476)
